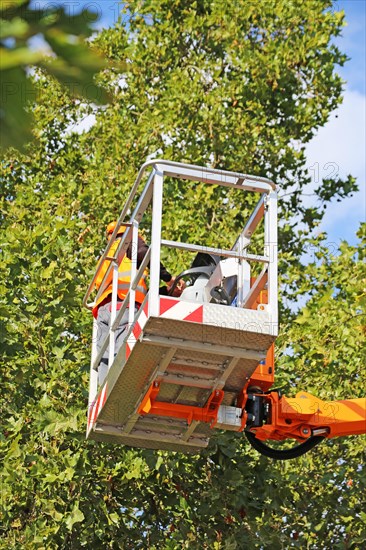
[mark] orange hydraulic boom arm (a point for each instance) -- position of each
(305, 418)
(308, 419)
(307, 415)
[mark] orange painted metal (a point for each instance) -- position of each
(306, 415)
(263, 376)
(208, 413)
(260, 296)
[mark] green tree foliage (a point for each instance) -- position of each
(73, 63)
(187, 65)
(231, 84)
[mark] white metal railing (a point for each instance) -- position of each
(266, 209)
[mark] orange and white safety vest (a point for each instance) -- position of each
(124, 280)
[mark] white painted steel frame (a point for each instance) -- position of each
(266, 207)
(156, 243)
(271, 251)
(193, 173)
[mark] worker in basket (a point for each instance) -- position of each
(102, 307)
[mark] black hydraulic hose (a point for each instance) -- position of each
(284, 454)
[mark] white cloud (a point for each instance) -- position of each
(339, 147)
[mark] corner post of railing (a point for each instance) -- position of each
(93, 380)
(134, 252)
(113, 313)
(271, 250)
(240, 281)
(157, 211)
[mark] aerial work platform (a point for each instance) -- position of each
(185, 364)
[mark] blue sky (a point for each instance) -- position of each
(341, 144)
(353, 42)
(108, 10)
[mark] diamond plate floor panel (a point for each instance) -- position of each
(128, 381)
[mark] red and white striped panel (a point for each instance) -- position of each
(136, 330)
(169, 308)
(183, 311)
(96, 407)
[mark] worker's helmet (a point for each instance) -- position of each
(111, 227)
